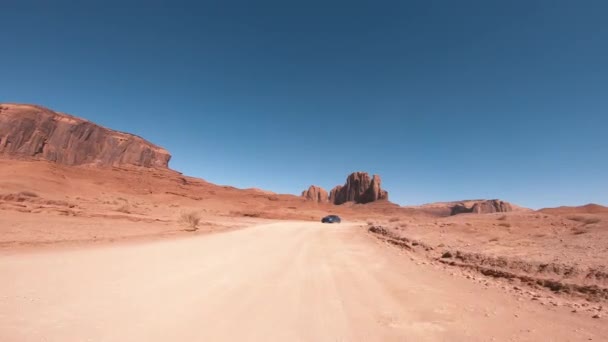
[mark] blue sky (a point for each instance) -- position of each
(446, 100)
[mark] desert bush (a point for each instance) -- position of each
(393, 219)
(502, 218)
(584, 220)
(190, 220)
(125, 208)
(28, 194)
(505, 225)
(246, 213)
(579, 231)
(252, 214)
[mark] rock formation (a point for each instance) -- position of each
(315, 193)
(334, 193)
(359, 188)
(491, 206)
(482, 207)
(29, 131)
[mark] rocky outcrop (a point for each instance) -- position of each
(316, 194)
(35, 132)
(482, 207)
(359, 188)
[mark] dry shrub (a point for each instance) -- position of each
(252, 214)
(393, 219)
(584, 220)
(190, 220)
(502, 218)
(28, 194)
(579, 231)
(246, 213)
(59, 203)
(125, 208)
(505, 225)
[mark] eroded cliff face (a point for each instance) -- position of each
(28, 131)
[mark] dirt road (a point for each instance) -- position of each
(287, 281)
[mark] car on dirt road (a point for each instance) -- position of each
(331, 219)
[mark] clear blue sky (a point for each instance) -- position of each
(446, 100)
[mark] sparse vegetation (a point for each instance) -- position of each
(190, 220)
(584, 220)
(246, 213)
(579, 231)
(251, 214)
(28, 194)
(125, 208)
(504, 224)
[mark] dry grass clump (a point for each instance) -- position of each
(584, 220)
(579, 231)
(28, 194)
(125, 208)
(190, 220)
(246, 213)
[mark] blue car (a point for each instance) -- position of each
(331, 219)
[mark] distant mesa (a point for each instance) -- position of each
(34, 132)
(590, 208)
(360, 188)
(482, 207)
(316, 194)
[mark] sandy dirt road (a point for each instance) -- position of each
(286, 281)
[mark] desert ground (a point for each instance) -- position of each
(284, 281)
(94, 254)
